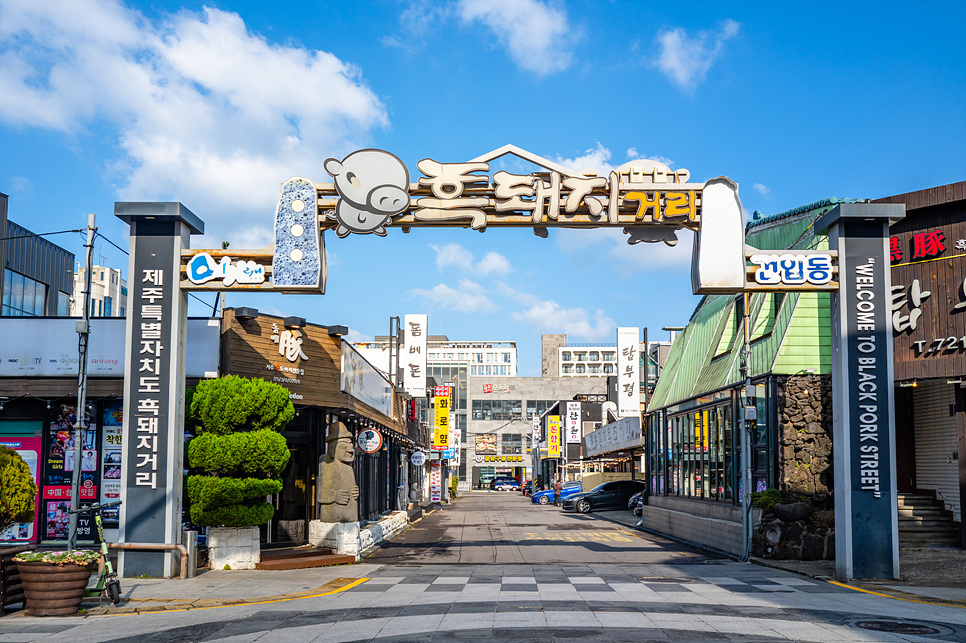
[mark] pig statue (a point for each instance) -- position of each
(373, 186)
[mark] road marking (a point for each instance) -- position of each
(580, 537)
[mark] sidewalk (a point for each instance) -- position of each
(933, 575)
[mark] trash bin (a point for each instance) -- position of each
(190, 541)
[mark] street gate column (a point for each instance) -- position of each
(153, 408)
(863, 433)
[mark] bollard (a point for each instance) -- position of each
(189, 539)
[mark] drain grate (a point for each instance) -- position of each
(896, 627)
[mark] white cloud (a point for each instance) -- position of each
(548, 316)
(632, 153)
(354, 337)
(21, 186)
(762, 189)
(415, 22)
(686, 60)
(456, 256)
(206, 112)
(469, 297)
(610, 245)
(493, 263)
(596, 158)
(536, 34)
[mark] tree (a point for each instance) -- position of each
(239, 448)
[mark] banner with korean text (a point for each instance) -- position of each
(553, 436)
(573, 423)
(413, 358)
(628, 372)
(441, 424)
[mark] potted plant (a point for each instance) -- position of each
(241, 453)
(54, 582)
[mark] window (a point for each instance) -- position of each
(594, 356)
(538, 407)
(593, 368)
(580, 357)
(565, 356)
(63, 304)
(22, 296)
(511, 443)
(497, 410)
(108, 303)
(767, 314)
(122, 311)
(608, 356)
(124, 292)
(506, 358)
(732, 323)
(609, 369)
(568, 368)
(581, 369)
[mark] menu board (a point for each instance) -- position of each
(29, 449)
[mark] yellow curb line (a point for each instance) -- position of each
(355, 583)
(908, 600)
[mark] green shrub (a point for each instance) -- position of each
(263, 451)
(230, 502)
(238, 446)
(18, 493)
(765, 500)
(229, 404)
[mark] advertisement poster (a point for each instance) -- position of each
(29, 449)
(59, 454)
(486, 444)
(436, 481)
(553, 436)
(111, 460)
(441, 413)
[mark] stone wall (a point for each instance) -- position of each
(805, 434)
(233, 547)
(375, 533)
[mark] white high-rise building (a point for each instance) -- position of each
(108, 293)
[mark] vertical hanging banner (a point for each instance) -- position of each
(152, 431)
(553, 436)
(536, 432)
(435, 480)
(573, 423)
(441, 408)
(414, 355)
(863, 421)
(628, 372)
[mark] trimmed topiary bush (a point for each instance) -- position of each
(18, 493)
(239, 449)
(230, 404)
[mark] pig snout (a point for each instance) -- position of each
(389, 199)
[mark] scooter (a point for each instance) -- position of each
(107, 582)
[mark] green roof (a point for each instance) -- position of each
(790, 332)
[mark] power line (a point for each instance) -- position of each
(40, 234)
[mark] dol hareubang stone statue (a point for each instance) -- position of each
(338, 492)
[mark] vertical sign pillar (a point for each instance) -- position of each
(863, 435)
(153, 411)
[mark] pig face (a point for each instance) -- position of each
(373, 186)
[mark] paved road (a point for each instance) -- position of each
(456, 578)
(505, 528)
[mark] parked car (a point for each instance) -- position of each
(545, 497)
(634, 500)
(610, 495)
(637, 502)
(527, 487)
(505, 483)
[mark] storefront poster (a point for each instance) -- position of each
(58, 473)
(29, 449)
(111, 460)
(436, 481)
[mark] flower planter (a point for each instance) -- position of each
(53, 590)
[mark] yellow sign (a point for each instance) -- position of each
(503, 458)
(701, 431)
(553, 436)
(441, 432)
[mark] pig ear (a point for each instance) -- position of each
(333, 166)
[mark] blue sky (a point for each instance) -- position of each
(215, 104)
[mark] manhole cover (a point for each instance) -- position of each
(896, 627)
(664, 579)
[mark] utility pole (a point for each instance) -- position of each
(747, 413)
(83, 330)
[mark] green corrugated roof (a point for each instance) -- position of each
(799, 339)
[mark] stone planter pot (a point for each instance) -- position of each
(234, 547)
(53, 590)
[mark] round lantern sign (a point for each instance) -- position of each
(418, 458)
(369, 440)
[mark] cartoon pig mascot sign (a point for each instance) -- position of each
(373, 187)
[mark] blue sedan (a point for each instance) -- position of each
(545, 497)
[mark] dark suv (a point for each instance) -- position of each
(505, 483)
(610, 495)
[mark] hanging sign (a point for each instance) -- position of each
(553, 436)
(369, 440)
(536, 429)
(628, 373)
(413, 358)
(441, 404)
(573, 422)
(418, 458)
(436, 481)
(792, 270)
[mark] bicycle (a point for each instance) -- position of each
(107, 582)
